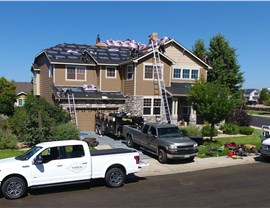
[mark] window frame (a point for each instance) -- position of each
(153, 75)
(76, 73)
(111, 77)
(153, 106)
(130, 72)
(191, 75)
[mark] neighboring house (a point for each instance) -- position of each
(22, 90)
(252, 95)
(118, 80)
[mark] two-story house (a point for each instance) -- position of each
(252, 96)
(108, 77)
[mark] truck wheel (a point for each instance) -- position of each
(162, 156)
(129, 141)
(115, 177)
(14, 188)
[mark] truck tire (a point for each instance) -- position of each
(14, 188)
(162, 156)
(129, 141)
(115, 177)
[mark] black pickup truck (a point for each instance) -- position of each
(166, 141)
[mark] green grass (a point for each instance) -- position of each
(10, 153)
(212, 146)
(253, 112)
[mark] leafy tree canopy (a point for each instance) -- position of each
(7, 96)
(223, 60)
(212, 101)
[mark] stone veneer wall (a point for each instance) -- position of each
(134, 105)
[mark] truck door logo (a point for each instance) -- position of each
(76, 167)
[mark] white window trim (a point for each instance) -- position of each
(76, 80)
(152, 106)
(150, 64)
(51, 70)
(181, 75)
(130, 67)
(107, 73)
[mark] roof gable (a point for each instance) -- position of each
(169, 42)
(23, 87)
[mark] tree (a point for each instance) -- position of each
(7, 96)
(212, 101)
(264, 95)
(37, 120)
(199, 50)
(223, 60)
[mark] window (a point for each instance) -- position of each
(150, 72)
(20, 102)
(151, 106)
(51, 71)
(110, 72)
(147, 106)
(194, 74)
(129, 72)
(76, 73)
(186, 73)
(177, 73)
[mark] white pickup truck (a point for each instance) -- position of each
(65, 162)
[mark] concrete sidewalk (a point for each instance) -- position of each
(155, 168)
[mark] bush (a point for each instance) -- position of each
(239, 117)
(230, 128)
(191, 131)
(246, 130)
(7, 140)
(206, 131)
(65, 132)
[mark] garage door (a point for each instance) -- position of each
(86, 120)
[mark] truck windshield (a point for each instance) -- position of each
(29, 153)
(170, 132)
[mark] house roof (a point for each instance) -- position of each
(66, 53)
(81, 94)
(248, 91)
(178, 89)
(23, 87)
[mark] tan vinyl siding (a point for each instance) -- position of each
(45, 80)
(60, 76)
(110, 83)
(128, 85)
(149, 87)
(86, 120)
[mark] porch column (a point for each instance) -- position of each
(174, 109)
(192, 117)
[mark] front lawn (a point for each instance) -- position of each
(215, 148)
(10, 153)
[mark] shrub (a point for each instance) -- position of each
(7, 140)
(65, 132)
(239, 117)
(230, 128)
(206, 131)
(191, 131)
(246, 130)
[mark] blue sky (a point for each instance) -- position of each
(26, 28)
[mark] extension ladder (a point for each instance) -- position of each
(72, 109)
(165, 114)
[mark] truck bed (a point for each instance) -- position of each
(110, 151)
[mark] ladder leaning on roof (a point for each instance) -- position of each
(165, 108)
(72, 109)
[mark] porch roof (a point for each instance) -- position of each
(178, 89)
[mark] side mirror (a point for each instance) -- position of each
(38, 160)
